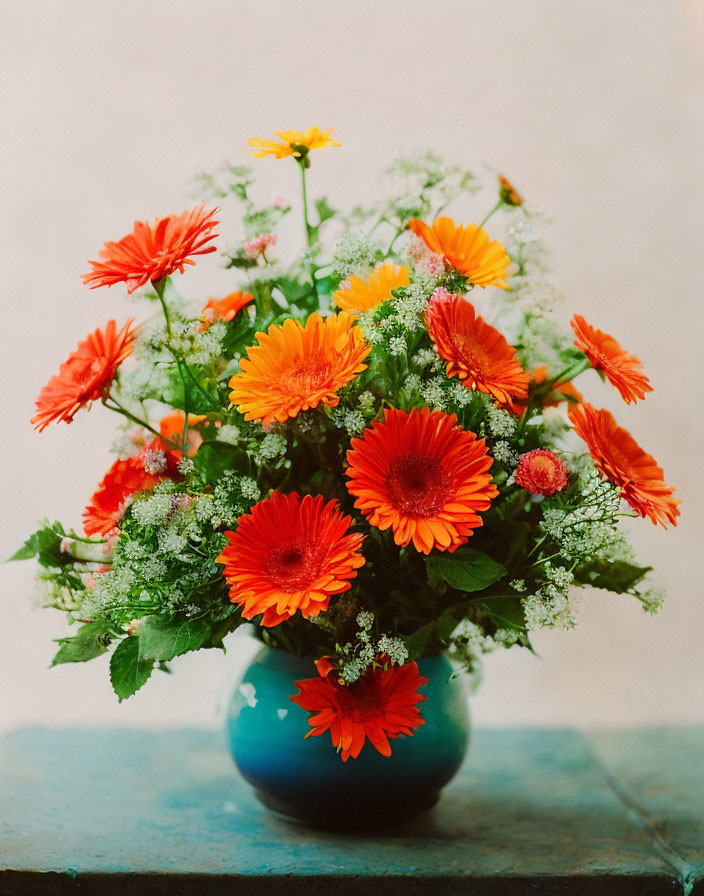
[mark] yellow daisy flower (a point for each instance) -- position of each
(359, 295)
(292, 143)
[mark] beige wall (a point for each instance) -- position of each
(593, 107)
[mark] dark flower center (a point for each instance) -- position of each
(418, 486)
(295, 564)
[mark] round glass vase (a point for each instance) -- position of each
(304, 779)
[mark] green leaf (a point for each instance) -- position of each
(612, 575)
(216, 458)
(90, 640)
(506, 610)
(128, 671)
(465, 570)
(323, 209)
(416, 643)
(45, 544)
(161, 638)
(433, 636)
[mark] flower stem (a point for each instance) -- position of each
(570, 372)
(306, 222)
(119, 409)
(494, 209)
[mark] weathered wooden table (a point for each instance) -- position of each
(137, 812)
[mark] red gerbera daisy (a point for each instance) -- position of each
(475, 351)
(85, 375)
(122, 482)
(154, 251)
(619, 457)
(382, 704)
(423, 476)
(290, 553)
(622, 370)
(541, 472)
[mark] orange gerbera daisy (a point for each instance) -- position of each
(360, 295)
(291, 143)
(295, 367)
(423, 476)
(466, 249)
(154, 251)
(122, 481)
(85, 375)
(382, 704)
(171, 428)
(227, 308)
(475, 351)
(290, 553)
(622, 370)
(619, 457)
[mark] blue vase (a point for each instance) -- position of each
(305, 780)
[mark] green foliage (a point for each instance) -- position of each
(129, 671)
(214, 459)
(465, 569)
(504, 610)
(161, 638)
(45, 544)
(91, 640)
(613, 575)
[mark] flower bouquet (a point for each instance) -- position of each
(374, 453)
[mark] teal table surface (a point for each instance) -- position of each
(103, 811)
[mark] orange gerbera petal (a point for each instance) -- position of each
(380, 705)
(122, 481)
(466, 249)
(475, 351)
(85, 375)
(291, 143)
(171, 428)
(290, 553)
(423, 476)
(358, 295)
(622, 370)
(294, 367)
(227, 308)
(622, 461)
(154, 251)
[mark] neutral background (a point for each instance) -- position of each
(594, 108)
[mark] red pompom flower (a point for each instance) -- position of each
(290, 553)
(541, 472)
(154, 251)
(382, 704)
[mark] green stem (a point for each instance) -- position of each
(160, 289)
(396, 236)
(494, 209)
(119, 409)
(306, 222)
(570, 372)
